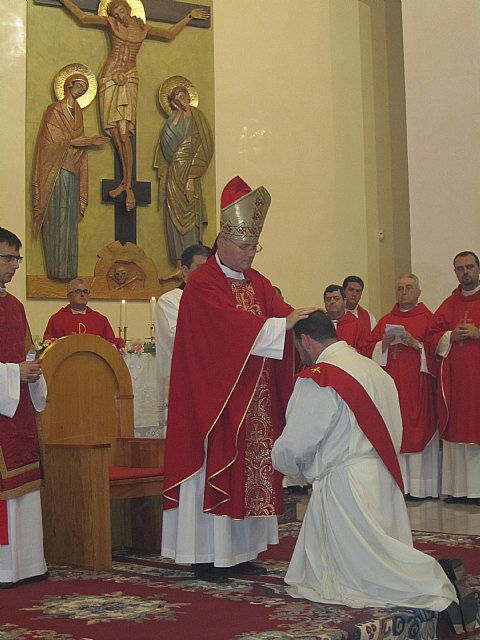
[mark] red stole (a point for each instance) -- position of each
(366, 413)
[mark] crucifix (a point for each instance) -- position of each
(118, 88)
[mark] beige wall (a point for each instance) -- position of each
(387, 197)
(302, 99)
(12, 124)
(442, 65)
(303, 92)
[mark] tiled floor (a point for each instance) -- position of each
(436, 515)
(433, 515)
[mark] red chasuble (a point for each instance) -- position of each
(364, 409)
(458, 397)
(19, 446)
(218, 390)
(64, 323)
(416, 390)
(350, 329)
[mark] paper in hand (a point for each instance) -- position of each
(397, 330)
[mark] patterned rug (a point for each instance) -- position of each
(146, 597)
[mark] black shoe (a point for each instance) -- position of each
(11, 585)
(453, 568)
(456, 500)
(454, 618)
(297, 490)
(207, 572)
(248, 569)
(410, 498)
(462, 616)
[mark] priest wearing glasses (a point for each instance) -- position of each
(77, 317)
(232, 374)
(22, 393)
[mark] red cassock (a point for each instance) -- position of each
(19, 446)
(353, 332)
(64, 323)
(416, 390)
(364, 319)
(458, 397)
(218, 390)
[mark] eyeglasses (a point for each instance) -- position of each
(80, 291)
(9, 258)
(256, 248)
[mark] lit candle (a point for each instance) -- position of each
(153, 302)
(123, 313)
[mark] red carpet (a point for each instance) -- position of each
(145, 596)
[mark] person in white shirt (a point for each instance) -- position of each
(166, 314)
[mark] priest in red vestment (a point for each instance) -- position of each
(454, 338)
(397, 344)
(22, 391)
(354, 287)
(347, 326)
(77, 317)
(232, 374)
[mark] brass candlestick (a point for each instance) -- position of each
(151, 329)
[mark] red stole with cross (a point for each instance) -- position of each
(366, 413)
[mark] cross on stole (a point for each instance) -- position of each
(168, 11)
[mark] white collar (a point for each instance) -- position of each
(470, 293)
(230, 273)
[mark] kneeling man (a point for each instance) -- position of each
(343, 435)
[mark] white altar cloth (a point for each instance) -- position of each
(145, 390)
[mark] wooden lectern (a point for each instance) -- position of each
(92, 457)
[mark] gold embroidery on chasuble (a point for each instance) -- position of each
(257, 427)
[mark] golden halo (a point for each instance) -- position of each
(168, 86)
(70, 69)
(138, 9)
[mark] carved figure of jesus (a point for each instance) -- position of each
(118, 83)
